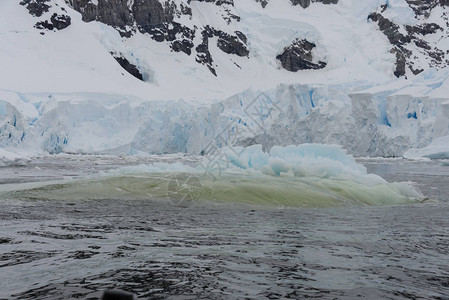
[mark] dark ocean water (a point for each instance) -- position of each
(76, 249)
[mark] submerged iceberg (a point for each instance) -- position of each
(309, 175)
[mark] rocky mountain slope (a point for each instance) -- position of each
(163, 22)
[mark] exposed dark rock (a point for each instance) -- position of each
(186, 10)
(423, 7)
(437, 55)
(36, 7)
(298, 56)
(173, 31)
(58, 22)
(241, 36)
(231, 44)
(227, 43)
(203, 53)
(129, 67)
(400, 62)
(183, 46)
(423, 29)
(415, 71)
(415, 36)
(306, 3)
(302, 3)
(326, 1)
(218, 2)
(181, 36)
(229, 17)
(114, 13)
(422, 44)
(263, 2)
(156, 18)
(87, 9)
(148, 14)
(390, 29)
(44, 25)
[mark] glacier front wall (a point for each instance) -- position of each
(366, 124)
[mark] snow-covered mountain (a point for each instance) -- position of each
(159, 76)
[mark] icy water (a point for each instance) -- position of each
(75, 249)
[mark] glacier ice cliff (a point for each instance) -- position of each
(366, 121)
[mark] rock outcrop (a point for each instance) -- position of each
(409, 41)
(36, 7)
(57, 22)
(298, 56)
(306, 3)
(302, 3)
(160, 20)
(129, 67)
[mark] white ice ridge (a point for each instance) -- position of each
(8, 158)
(439, 149)
(378, 121)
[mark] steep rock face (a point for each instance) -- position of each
(413, 50)
(36, 7)
(263, 2)
(306, 3)
(232, 44)
(57, 22)
(298, 56)
(39, 8)
(129, 67)
(302, 3)
(164, 22)
(149, 13)
(424, 7)
(161, 21)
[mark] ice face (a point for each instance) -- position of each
(366, 122)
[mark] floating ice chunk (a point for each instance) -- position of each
(438, 149)
(8, 158)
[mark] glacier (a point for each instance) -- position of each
(62, 91)
(365, 121)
